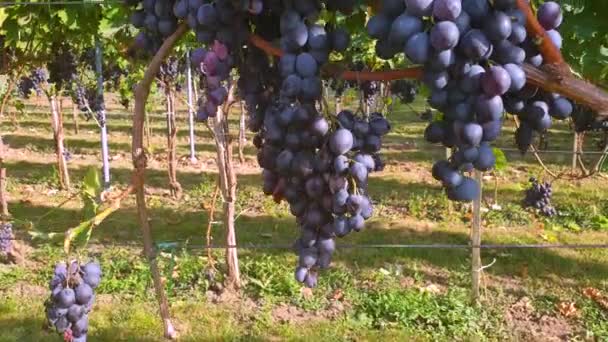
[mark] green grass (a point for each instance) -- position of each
(367, 295)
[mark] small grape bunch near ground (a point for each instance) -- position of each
(72, 296)
(538, 196)
(6, 239)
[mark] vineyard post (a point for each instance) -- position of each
(574, 151)
(190, 106)
(242, 139)
(57, 125)
(3, 199)
(75, 118)
(476, 241)
(175, 187)
(102, 116)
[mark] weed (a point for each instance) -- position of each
(432, 315)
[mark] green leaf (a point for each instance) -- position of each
(91, 184)
(63, 16)
(81, 234)
(501, 159)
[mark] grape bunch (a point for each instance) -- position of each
(222, 28)
(538, 196)
(89, 101)
(472, 52)
(71, 300)
(318, 163)
(215, 64)
(6, 238)
(156, 20)
(33, 82)
(168, 71)
(405, 90)
(62, 66)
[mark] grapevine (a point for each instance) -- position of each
(472, 57)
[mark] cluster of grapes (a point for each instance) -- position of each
(113, 74)
(222, 27)
(539, 196)
(62, 66)
(33, 82)
(156, 19)
(88, 100)
(6, 238)
(405, 90)
(320, 168)
(215, 64)
(169, 70)
(72, 299)
(472, 51)
(533, 106)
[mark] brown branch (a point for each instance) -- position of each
(336, 71)
(142, 91)
(3, 200)
(568, 85)
(265, 45)
(216, 193)
(574, 88)
(550, 52)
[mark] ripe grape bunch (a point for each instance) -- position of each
(319, 163)
(472, 52)
(168, 72)
(62, 67)
(89, 101)
(215, 64)
(72, 298)
(6, 238)
(538, 196)
(33, 82)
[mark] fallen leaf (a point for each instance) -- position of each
(567, 309)
(431, 288)
(307, 292)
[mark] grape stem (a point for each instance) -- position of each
(550, 78)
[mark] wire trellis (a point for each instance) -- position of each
(59, 3)
(184, 243)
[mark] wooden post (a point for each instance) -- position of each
(476, 241)
(3, 196)
(574, 152)
(242, 139)
(57, 125)
(174, 186)
(75, 111)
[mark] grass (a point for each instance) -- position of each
(367, 295)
